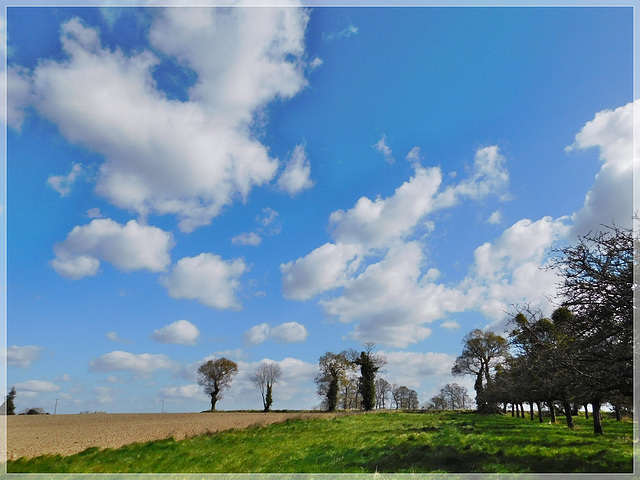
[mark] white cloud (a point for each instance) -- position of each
(18, 95)
(489, 176)
(611, 197)
(248, 238)
(289, 332)
(94, 213)
(511, 269)
(32, 388)
(63, 183)
(178, 394)
(206, 278)
(256, 334)
(383, 148)
(296, 175)
(450, 325)
(185, 158)
(114, 337)
(140, 364)
(495, 218)
(411, 369)
(129, 247)
(181, 332)
(325, 268)
(392, 301)
(22, 356)
(268, 225)
(374, 224)
(414, 157)
(388, 291)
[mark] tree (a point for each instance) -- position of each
(481, 353)
(456, 396)
(216, 376)
(598, 288)
(383, 388)
(333, 367)
(8, 407)
(265, 376)
(369, 364)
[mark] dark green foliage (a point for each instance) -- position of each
(367, 381)
(269, 399)
(369, 364)
(9, 407)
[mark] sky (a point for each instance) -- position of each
(269, 184)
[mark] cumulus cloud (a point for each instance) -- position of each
(22, 356)
(411, 368)
(181, 393)
(376, 223)
(63, 183)
(289, 332)
(248, 238)
(392, 302)
(206, 278)
(33, 388)
(186, 158)
(377, 261)
(181, 332)
(297, 172)
(510, 270)
(139, 364)
(489, 175)
(327, 267)
(127, 247)
(611, 197)
(495, 218)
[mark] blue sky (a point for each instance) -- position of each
(269, 184)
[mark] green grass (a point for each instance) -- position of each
(383, 442)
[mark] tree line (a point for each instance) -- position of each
(582, 355)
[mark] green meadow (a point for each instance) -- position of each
(393, 442)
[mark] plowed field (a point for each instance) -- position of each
(34, 435)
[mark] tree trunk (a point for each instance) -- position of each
(597, 420)
(586, 411)
(552, 409)
(617, 410)
(478, 388)
(512, 410)
(214, 400)
(567, 414)
(539, 405)
(531, 409)
(522, 411)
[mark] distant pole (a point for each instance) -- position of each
(55, 409)
(162, 406)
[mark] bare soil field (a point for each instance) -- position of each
(34, 435)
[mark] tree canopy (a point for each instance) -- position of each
(216, 376)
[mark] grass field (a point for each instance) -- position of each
(383, 442)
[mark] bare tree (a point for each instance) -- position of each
(215, 376)
(265, 376)
(383, 389)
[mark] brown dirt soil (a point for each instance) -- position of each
(34, 435)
